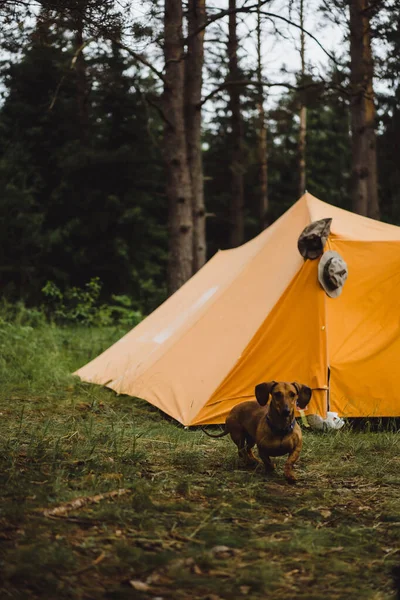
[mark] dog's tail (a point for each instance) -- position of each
(218, 435)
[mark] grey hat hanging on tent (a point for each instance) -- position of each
(313, 238)
(332, 273)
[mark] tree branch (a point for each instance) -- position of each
(139, 58)
(225, 13)
(289, 86)
(310, 35)
(73, 61)
(255, 8)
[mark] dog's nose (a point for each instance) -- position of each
(286, 411)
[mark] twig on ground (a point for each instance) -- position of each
(80, 502)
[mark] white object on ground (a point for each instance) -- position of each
(332, 421)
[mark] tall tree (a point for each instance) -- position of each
(237, 168)
(262, 129)
(303, 108)
(364, 163)
(196, 17)
(178, 181)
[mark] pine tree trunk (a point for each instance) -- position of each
(193, 88)
(364, 168)
(370, 117)
(262, 132)
(178, 185)
(303, 112)
(237, 167)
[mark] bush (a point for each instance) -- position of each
(18, 314)
(82, 306)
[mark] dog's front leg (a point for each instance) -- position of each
(292, 459)
(268, 464)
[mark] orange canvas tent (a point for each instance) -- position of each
(258, 313)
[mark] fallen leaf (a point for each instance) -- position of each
(219, 573)
(99, 558)
(139, 586)
(83, 406)
(196, 569)
(245, 589)
(291, 573)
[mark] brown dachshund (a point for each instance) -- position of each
(269, 425)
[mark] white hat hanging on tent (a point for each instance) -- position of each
(332, 273)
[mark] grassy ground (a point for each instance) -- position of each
(336, 535)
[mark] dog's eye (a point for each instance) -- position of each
(278, 395)
(291, 394)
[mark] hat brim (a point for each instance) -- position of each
(321, 266)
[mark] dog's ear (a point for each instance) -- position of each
(263, 391)
(304, 394)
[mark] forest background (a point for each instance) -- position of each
(138, 138)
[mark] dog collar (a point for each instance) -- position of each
(280, 432)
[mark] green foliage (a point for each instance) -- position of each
(73, 306)
(17, 313)
(82, 306)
